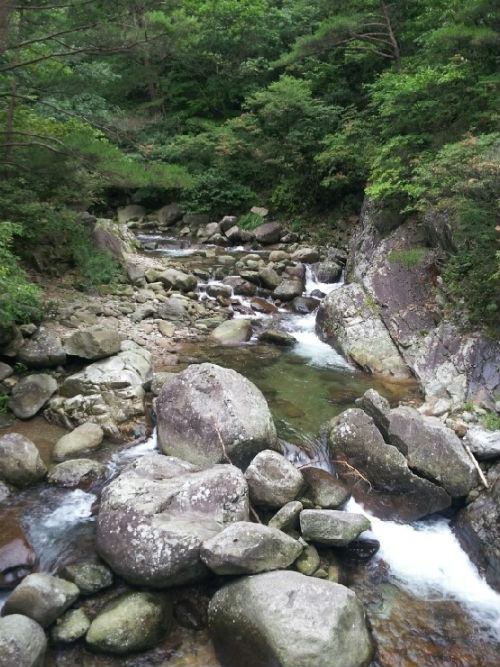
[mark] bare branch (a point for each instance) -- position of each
(37, 40)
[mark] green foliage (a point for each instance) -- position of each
(96, 267)
(216, 193)
(492, 421)
(4, 401)
(408, 258)
(250, 221)
(19, 298)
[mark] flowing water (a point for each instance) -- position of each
(426, 602)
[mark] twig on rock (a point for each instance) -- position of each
(354, 471)
(476, 465)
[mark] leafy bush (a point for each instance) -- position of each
(216, 193)
(250, 221)
(19, 298)
(407, 258)
(97, 267)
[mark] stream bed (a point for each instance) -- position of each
(426, 602)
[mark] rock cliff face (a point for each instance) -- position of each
(396, 266)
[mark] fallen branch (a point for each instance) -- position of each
(476, 465)
(354, 472)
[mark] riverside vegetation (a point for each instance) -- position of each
(249, 355)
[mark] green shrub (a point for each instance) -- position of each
(250, 221)
(97, 267)
(492, 421)
(216, 193)
(407, 258)
(4, 400)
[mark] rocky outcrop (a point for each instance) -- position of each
(286, 619)
(395, 264)
(132, 622)
(348, 318)
(20, 460)
(478, 529)
(155, 515)
(42, 597)
(22, 642)
(114, 238)
(109, 393)
(249, 548)
(31, 393)
(207, 412)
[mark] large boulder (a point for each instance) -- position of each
(22, 642)
(109, 393)
(290, 288)
(31, 394)
(432, 450)
(42, 350)
(207, 413)
(42, 597)
(286, 619)
(114, 238)
(132, 622)
(478, 528)
(332, 527)
(95, 342)
(268, 233)
(178, 280)
(155, 515)
(348, 318)
(77, 473)
(232, 332)
(249, 548)
(84, 438)
(354, 438)
(20, 460)
(272, 480)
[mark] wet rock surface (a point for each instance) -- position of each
(22, 642)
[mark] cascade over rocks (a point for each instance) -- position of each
(155, 515)
(207, 409)
(286, 619)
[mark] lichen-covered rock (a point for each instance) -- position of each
(42, 597)
(346, 316)
(84, 438)
(76, 473)
(323, 488)
(432, 450)
(287, 517)
(31, 394)
(94, 342)
(108, 392)
(332, 527)
(354, 437)
(20, 460)
(155, 515)
(70, 626)
(286, 619)
(207, 409)
(132, 622)
(90, 577)
(42, 350)
(249, 548)
(272, 480)
(22, 642)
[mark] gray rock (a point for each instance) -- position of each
(323, 488)
(130, 213)
(5, 371)
(108, 392)
(232, 332)
(484, 444)
(159, 380)
(268, 233)
(31, 394)
(332, 527)
(308, 561)
(286, 619)
(90, 577)
(346, 316)
(114, 238)
(94, 342)
(227, 222)
(70, 626)
(77, 473)
(178, 280)
(5, 491)
(287, 517)
(277, 337)
(20, 461)
(22, 642)
(290, 288)
(219, 290)
(249, 548)
(328, 271)
(378, 408)
(42, 597)
(432, 450)
(304, 304)
(155, 515)
(173, 309)
(42, 350)
(241, 286)
(269, 277)
(259, 210)
(168, 215)
(305, 255)
(206, 404)
(84, 438)
(132, 622)
(354, 437)
(272, 480)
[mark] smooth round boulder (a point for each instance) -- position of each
(208, 413)
(232, 332)
(31, 394)
(84, 438)
(20, 460)
(272, 480)
(22, 642)
(42, 597)
(249, 548)
(286, 619)
(133, 622)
